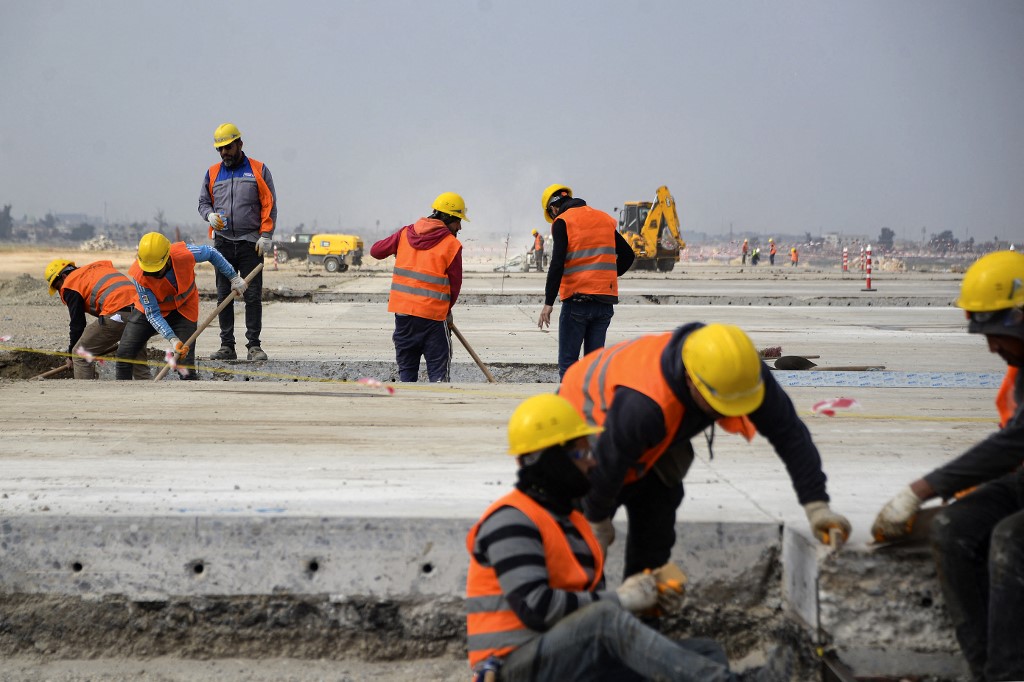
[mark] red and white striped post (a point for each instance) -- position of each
(846, 260)
(867, 285)
(275, 256)
(860, 263)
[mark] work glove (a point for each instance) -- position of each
(178, 347)
(671, 583)
(217, 221)
(238, 284)
(897, 516)
(264, 246)
(638, 593)
(605, 533)
(824, 520)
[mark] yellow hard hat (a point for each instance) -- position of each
(548, 194)
(993, 282)
(770, 239)
(725, 367)
(533, 232)
(154, 250)
(225, 134)
(545, 420)
(53, 270)
(452, 204)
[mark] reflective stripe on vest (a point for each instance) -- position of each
(169, 296)
(104, 289)
(492, 627)
(419, 283)
(1006, 402)
(590, 261)
(590, 386)
(266, 196)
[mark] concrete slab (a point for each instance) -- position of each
(141, 481)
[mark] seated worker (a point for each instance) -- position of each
(103, 292)
(978, 541)
(168, 300)
(537, 605)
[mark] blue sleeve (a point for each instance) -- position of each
(206, 253)
(151, 308)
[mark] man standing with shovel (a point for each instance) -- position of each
(168, 300)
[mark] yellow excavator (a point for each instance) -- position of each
(652, 229)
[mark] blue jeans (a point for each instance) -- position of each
(417, 337)
(603, 642)
(581, 324)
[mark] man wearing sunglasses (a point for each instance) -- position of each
(978, 540)
(588, 255)
(537, 606)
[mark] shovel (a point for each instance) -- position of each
(798, 362)
(210, 318)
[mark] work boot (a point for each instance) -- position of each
(224, 353)
(256, 354)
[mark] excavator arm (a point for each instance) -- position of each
(662, 225)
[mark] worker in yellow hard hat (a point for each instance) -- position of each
(652, 395)
(99, 290)
(239, 201)
(537, 250)
(588, 255)
(425, 285)
(539, 609)
(771, 251)
(168, 300)
(978, 539)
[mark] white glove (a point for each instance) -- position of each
(824, 520)
(605, 533)
(670, 600)
(264, 246)
(638, 593)
(896, 517)
(217, 221)
(238, 284)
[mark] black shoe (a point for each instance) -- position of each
(256, 354)
(224, 353)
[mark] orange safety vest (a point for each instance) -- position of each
(185, 297)
(492, 627)
(266, 196)
(590, 262)
(590, 386)
(419, 282)
(772, 250)
(104, 289)
(538, 242)
(1006, 403)
(793, 256)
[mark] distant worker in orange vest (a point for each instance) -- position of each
(587, 258)
(106, 294)
(538, 608)
(744, 250)
(425, 284)
(652, 395)
(771, 251)
(168, 299)
(239, 201)
(538, 251)
(794, 257)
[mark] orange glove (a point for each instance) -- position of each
(179, 348)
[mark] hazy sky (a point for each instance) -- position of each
(772, 116)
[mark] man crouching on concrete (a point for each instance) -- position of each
(537, 605)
